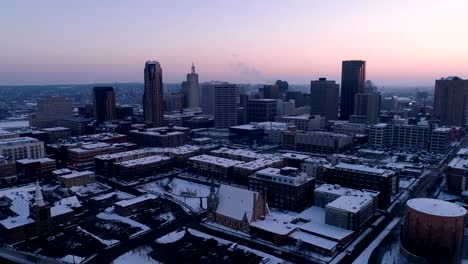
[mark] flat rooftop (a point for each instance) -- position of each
(216, 160)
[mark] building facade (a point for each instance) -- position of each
(324, 96)
(104, 103)
(451, 101)
(261, 110)
(367, 105)
(225, 105)
(153, 109)
(353, 77)
(50, 110)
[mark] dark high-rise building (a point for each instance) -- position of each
(153, 95)
(207, 98)
(50, 110)
(261, 110)
(324, 96)
(353, 77)
(271, 92)
(367, 107)
(225, 105)
(104, 103)
(191, 89)
(451, 101)
(283, 85)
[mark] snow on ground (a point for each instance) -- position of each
(139, 255)
(447, 196)
(167, 216)
(392, 256)
(405, 183)
(72, 259)
(183, 191)
(120, 196)
(171, 237)
(107, 242)
(116, 217)
(267, 258)
(365, 255)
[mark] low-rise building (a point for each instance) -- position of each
(77, 178)
(363, 177)
(56, 133)
(32, 168)
(83, 156)
(304, 122)
(170, 136)
(127, 207)
(316, 141)
(285, 188)
(313, 167)
(22, 148)
(143, 166)
(350, 212)
(213, 166)
(242, 171)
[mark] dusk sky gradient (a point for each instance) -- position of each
(405, 42)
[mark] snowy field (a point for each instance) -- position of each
(120, 196)
(139, 255)
(115, 217)
(186, 192)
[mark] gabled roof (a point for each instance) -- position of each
(235, 202)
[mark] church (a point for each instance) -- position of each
(41, 220)
(236, 208)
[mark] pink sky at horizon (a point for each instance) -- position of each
(404, 42)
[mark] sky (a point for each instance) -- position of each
(404, 42)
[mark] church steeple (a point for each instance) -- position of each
(193, 68)
(38, 199)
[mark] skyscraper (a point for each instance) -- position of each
(191, 89)
(324, 96)
(353, 77)
(283, 85)
(153, 95)
(451, 101)
(207, 98)
(367, 107)
(225, 105)
(104, 103)
(50, 110)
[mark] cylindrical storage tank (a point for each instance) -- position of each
(433, 230)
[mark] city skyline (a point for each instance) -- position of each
(91, 42)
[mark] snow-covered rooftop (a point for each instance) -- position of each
(75, 174)
(459, 163)
(273, 174)
(13, 222)
(136, 200)
(352, 204)
(216, 160)
(28, 161)
(436, 207)
(144, 161)
(276, 223)
(340, 191)
(259, 163)
(361, 168)
(60, 210)
(294, 156)
(235, 202)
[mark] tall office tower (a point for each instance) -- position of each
(283, 85)
(261, 110)
(324, 95)
(370, 87)
(450, 101)
(104, 103)
(225, 105)
(207, 98)
(271, 92)
(153, 95)
(353, 76)
(50, 110)
(367, 107)
(191, 89)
